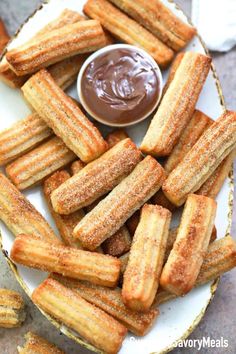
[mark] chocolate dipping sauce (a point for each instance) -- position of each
(120, 86)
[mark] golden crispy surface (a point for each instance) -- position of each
(213, 184)
(159, 198)
(173, 68)
(159, 20)
(35, 344)
(115, 137)
(97, 178)
(76, 166)
(141, 277)
(203, 159)
(11, 309)
(177, 105)
(22, 136)
(184, 262)
(93, 324)
(63, 115)
(118, 244)
(113, 211)
(110, 301)
(65, 223)
(31, 251)
(56, 45)
(39, 163)
(192, 132)
(128, 30)
(7, 74)
(19, 214)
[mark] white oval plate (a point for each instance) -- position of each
(179, 317)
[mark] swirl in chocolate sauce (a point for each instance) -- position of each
(120, 86)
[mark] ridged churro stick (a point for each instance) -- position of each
(142, 274)
(22, 137)
(65, 223)
(192, 132)
(213, 184)
(128, 30)
(34, 252)
(110, 301)
(220, 258)
(97, 178)
(12, 312)
(177, 105)
(34, 166)
(69, 40)
(66, 17)
(35, 344)
(113, 211)
(115, 137)
(202, 160)
(185, 260)
(118, 244)
(19, 214)
(4, 36)
(63, 115)
(68, 307)
(173, 68)
(159, 20)
(76, 166)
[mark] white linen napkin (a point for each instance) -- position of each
(216, 23)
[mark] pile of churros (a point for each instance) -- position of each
(117, 258)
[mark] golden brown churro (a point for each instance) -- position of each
(65, 223)
(97, 178)
(69, 40)
(19, 214)
(127, 30)
(12, 312)
(141, 277)
(110, 301)
(39, 163)
(213, 184)
(202, 160)
(115, 137)
(22, 136)
(159, 20)
(119, 243)
(4, 36)
(66, 17)
(35, 344)
(177, 106)
(173, 68)
(220, 258)
(184, 262)
(113, 211)
(68, 307)
(192, 132)
(36, 253)
(159, 198)
(63, 115)
(76, 166)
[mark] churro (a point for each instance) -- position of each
(159, 198)
(33, 167)
(97, 178)
(65, 223)
(35, 344)
(19, 214)
(110, 301)
(159, 20)
(185, 260)
(173, 68)
(63, 115)
(113, 211)
(177, 105)
(22, 136)
(115, 137)
(127, 30)
(141, 277)
(202, 160)
(36, 253)
(69, 40)
(12, 312)
(192, 132)
(68, 307)
(117, 244)
(76, 166)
